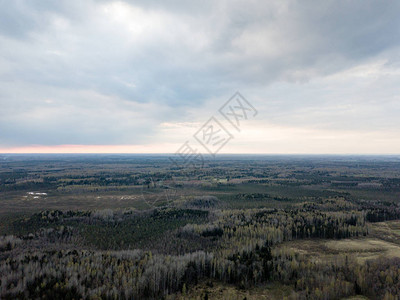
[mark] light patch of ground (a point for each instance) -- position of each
(388, 231)
(217, 290)
(361, 248)
(365, 248)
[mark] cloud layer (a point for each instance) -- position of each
(115, 72)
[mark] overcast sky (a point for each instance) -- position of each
(144, 76)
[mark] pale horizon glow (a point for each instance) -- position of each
(132, 149)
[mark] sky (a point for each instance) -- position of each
(145, 76)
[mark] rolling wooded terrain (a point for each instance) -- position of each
(241, 227)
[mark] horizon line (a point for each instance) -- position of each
(206, 154)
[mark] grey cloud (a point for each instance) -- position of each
(188, 53)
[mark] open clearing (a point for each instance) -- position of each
(362, 248)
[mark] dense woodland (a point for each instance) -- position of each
(232, 224)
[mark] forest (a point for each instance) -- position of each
(240, 227)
